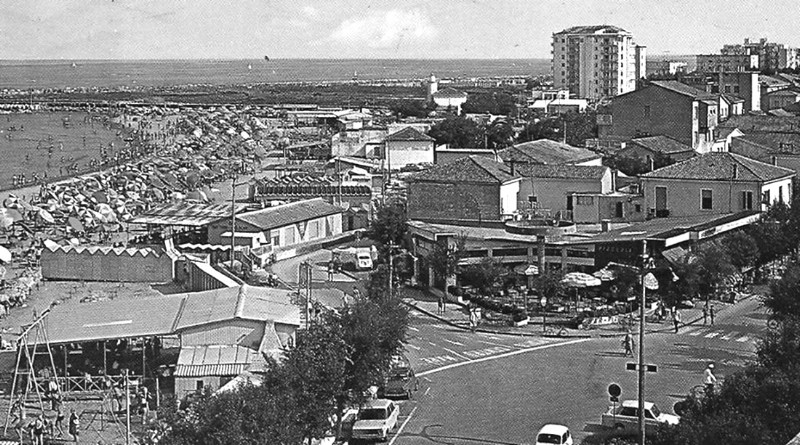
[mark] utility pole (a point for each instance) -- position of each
(641, 344)
(127, 410)
(233, 217)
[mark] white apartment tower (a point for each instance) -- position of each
(595, 62)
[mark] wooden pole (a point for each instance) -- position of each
(127, 410)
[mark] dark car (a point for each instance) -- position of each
(401, 380)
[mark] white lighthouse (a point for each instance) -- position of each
(433, 87)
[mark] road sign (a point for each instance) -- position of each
(635, 367)
(614, 399)
(614, 390)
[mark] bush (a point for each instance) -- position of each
(519, 315)
(454, 291)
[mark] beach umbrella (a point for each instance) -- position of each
(50, 244)
(110, 227)
(579, 280)
(46, 216)
(650, 281)
(75, 241)
(76, 224)
(5, 255)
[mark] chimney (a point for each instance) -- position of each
(775, 160)
(735, 171)
(652, 163)
(511, 166)
(605, 225)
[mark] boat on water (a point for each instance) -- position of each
(266, 58)
(249, 67)
(74, 65)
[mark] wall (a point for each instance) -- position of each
(670, 115)
(552, 193)
(217, 228)
(604, 207)
(187, 385)
(402, 153)
(509, 194)
(684, 197)
(84, 264)
(310, 230)
(774, 188)
(462, 201)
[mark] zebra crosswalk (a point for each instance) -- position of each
(715, 333)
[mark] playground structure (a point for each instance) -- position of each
(31, 392)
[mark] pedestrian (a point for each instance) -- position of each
(37, 430)
(627, 343)
(473, 317)
(59, 423)
(356, 293)
(705, 314)
(709, 379)
(711, 314)
(676, 318)
(330, 270)
(440, 302)
(74, 426)
(144, 406)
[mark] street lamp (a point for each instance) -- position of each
(543, 302)
(647, 263)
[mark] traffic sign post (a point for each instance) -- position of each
(614, 391)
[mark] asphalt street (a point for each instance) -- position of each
(495, 389)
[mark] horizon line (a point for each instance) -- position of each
(218, 59)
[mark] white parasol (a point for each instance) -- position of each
(5, 255)
(579, 280)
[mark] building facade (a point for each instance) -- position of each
(598, 61)
(712, 63)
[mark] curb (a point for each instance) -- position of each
(487, 331)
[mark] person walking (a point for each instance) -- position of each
(711, 314)
(705, 314)
(330, 270)
(628, 344)
(74, 426)
(440, 307)
(59, 423)
(676, 318)
(709, 379)
(473, 317)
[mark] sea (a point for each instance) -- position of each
(59, 74)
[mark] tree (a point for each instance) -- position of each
(770, 239)
(389, 223)
(547, 128)
(499, 134)
(742, 249)
(714, 265)
(635, 165)
(548, 284)
(580, 127)
(409, 108)
(457, 132)
(445, 257)
(485, 275)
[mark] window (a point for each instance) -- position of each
(638, 208)
(747, 200)
(619, 211)
(198, 385)
(780, 193)
(532, 199)
(736, 89)
(585, 200)
(647, 111)
(706, 200)
(765, 198)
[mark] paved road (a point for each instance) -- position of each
(510, 389)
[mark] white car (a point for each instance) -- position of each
(626, 416)
(376, 419)
(553, 434)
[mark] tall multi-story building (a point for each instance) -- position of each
(772, 56)
(712, 63)
(597, 61)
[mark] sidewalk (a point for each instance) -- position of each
(456, 315)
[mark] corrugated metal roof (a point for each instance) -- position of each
(140, 317)
(165, 315)
(183, 214)
(283, 215)
(471, 168)
(215, 360)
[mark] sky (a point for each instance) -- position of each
(394, 29)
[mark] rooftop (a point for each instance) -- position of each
(719, 166)
(564, 171)
(449, 92)
(594, 29)
(283, 215)
(408, 134)
(682, 88)
(471, 168)
(545, 151)
(185, 214)
(662, 144)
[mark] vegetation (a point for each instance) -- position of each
(497, 103)
(458, 132)
(330, 368)
(633, 165)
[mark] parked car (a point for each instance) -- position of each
(554, 434)
(626, 416)
(400, 382)
(376, 419)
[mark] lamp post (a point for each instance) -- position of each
(543, 302)
(647, 263)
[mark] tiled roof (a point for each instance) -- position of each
(545, 151)
(282, 215)
(662, 144)
(682, 88)
(772, 81)
(565, 171)
(719, 166)
(449, 92)
(753, 150)
(408, 134)
(731, 99)
(786, 92)
(467, 169)
(763, 124)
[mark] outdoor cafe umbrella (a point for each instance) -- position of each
(605, 274)
(527, 269)
(5, 255)
(579, 280)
